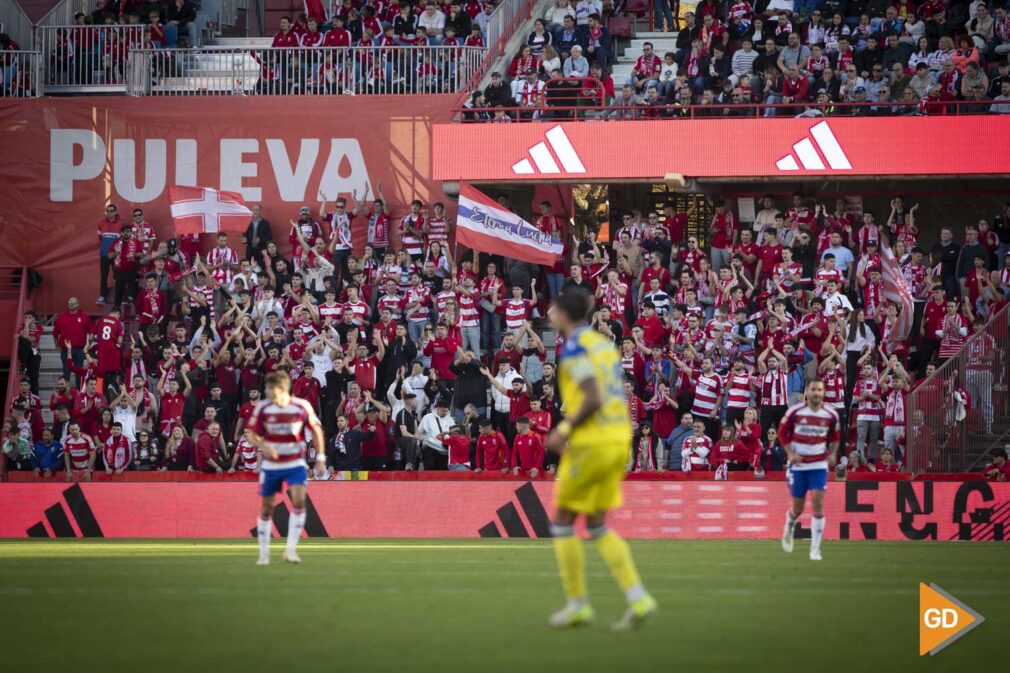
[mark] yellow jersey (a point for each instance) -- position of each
(587, 353)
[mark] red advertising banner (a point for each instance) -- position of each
(869, 510)
(64, 159)
(707, 148)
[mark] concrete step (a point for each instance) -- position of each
(653, 35)
(661, 44)
(239, 42)
(632, 54)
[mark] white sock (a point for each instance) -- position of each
(295, 525)
(635, 593)
(816, 531)
(263, 531)
(576, 603)
(791, 518)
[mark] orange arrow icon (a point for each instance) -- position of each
(942, 619)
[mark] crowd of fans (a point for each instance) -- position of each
(878, 57)
(417, 359)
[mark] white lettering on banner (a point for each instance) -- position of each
(64, 172)
(124, 177)
(344, 170)
(234, 168)
(356, 178)
(291, 184)
(185, 162)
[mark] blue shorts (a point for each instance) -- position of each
(801, 481)
(271, 480)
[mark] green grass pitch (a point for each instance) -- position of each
(446, 606)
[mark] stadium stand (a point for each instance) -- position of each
(719, 324)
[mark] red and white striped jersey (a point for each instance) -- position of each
(410, 241)
(247, 454)
(422, 296)
(774, 389)
(614, 297)
(981, 352)
(694, 452)
(738, 390)
(378, 230)
(333, 311)
(821, 278)
(894, 411)
(79, 450)
(207, 291)
(953, 339)
(442, 299)
(810, 432)
(225, 256)
(517, 311)
(707, 389)
(915, 275)
(360, 310)
(469, 314)
(284, 427)
(394, 302)
(438, 230)
(867, 410)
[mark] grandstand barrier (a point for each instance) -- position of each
(937, 440)
(502, 25)
(20, 74)
(859, 510)
(790, 148)
(86, 58)
(317, 70)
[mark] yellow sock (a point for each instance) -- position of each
(617, 554)
(571, 565)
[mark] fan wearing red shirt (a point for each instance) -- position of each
(117, 451)
(109, 332)
(337, 35)
(442, 351)
(458, 446)
(723, 231)
(152, 306)
(125, 255)
(207, 449)
(365, 367)
(307, 386)
(286, 37)
(769, 256)
(492, 449)
(527, 449)
(999, 468)
(654, 332)
(312, 37)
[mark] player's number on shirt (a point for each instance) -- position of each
(107, 333)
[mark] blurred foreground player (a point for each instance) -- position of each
(593, 441)
(277, 428)
(809, 432)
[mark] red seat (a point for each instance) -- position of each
(619, 26)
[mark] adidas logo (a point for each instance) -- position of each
(313, 524)
(59, 523)
(820, 138)
(543, 159)
(513, 524)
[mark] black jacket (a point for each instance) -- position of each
(471, 385)
(263, 234)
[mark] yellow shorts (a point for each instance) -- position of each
(589, 478)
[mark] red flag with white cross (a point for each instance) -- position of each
(202, 210)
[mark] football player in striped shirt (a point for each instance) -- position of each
(809, 432)
(277, 427)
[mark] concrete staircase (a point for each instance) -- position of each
(51, 370)
(661, 43)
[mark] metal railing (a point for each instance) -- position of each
(506, 19)
(87, 58)
(20, 74)
(12, 287)
(936, 441)
(16, 24)
(62, 13)
(590, 109)
(311, 70)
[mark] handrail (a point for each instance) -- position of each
(497, 49)
(936, 441)
(13, 378)
(25, 79)
(748, 110)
